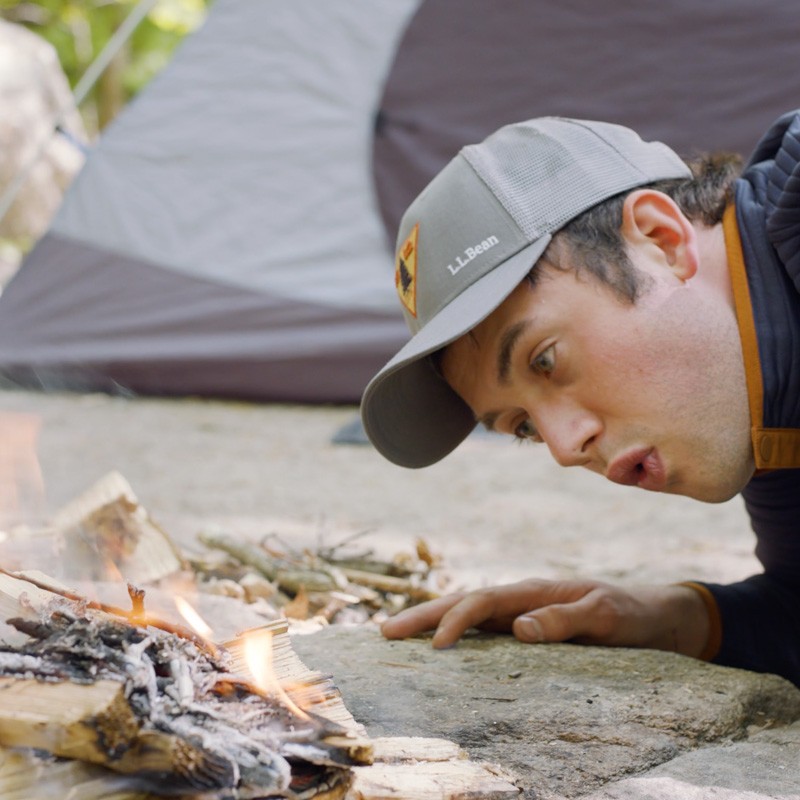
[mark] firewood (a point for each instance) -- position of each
(299, 606)
(287, 578)
(309, 689)
(402, 565)
(256, 587)
(324, 578)
(26, 775)
(200, 739)
(87, 722)
(436, 780)
(389, 583)
(183, 721)
(107, 524)
(45, 586)
(94, 723)
(415, 768)
(13, 588)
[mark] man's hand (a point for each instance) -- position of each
(588, 612)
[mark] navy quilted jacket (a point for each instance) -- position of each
(760, 617)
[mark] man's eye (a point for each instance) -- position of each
(545, 362)
(526, 431)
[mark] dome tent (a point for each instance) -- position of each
(230, 235)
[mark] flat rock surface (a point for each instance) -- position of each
(569, 720)
(764, 765)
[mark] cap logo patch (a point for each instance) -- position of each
(405, 272)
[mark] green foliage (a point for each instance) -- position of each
(80, 29)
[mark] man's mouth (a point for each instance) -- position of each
(640, 467)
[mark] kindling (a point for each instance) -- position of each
(471, 253)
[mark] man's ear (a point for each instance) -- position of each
(653, 219)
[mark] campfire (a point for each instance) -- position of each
(176, 714)
(118, 686)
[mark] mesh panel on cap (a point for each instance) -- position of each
(545, 182)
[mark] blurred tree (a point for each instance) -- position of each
(80, 30)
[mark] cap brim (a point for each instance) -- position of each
(409, 412)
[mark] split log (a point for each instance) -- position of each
(25, 775)
(94, 723)
(107, 524)
(13, 589)
(86, 722)
(415, 768)
(309, 689)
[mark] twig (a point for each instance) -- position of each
(288, 579)
(137, 616)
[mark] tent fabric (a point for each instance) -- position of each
(252, 151)
(223, 237)
(199, 337)
(231, 233)
(698, 76)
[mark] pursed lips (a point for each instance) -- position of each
(641, 466)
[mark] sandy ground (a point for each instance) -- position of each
(495, 511)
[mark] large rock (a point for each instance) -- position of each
(35, 97)
(764, 765)
(567, 720)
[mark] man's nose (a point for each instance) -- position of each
(569, 432)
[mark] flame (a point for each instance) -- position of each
(21, 481)
(195, 621)
(112, 571)
(258, 657)
(307, 695)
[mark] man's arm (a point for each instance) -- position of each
(760, 625)
(760, 617)
(753, 624)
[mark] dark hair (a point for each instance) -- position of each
(593, 240)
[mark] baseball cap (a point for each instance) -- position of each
(468, 240)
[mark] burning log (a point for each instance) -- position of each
(152, 705)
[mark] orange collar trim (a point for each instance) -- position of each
(773, 448)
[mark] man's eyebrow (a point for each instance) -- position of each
(507, 343)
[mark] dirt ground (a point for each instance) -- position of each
(493, 510)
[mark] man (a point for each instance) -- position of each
(567, 283)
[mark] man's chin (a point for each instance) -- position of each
(708, 493)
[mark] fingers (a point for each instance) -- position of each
(424, 617)
(491, 609)
(534, 611)
(587, 612)
(594, 618)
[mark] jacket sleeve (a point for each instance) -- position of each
(760, 616)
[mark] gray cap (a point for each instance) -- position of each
(469, 239)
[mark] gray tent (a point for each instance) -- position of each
(230, 234)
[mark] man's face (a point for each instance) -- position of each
(651, 394)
